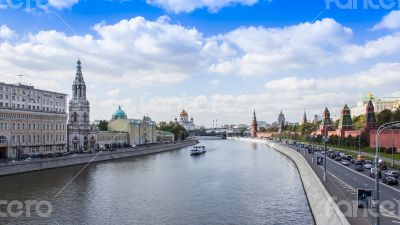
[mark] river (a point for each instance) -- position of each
(233, 183)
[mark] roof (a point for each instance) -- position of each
(119, 114)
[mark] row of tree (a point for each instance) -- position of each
(178, 130)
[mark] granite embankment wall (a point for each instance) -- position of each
(43, 164)
(323, 207)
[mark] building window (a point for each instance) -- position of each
(3, 140)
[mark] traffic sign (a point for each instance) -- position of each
(364, 198)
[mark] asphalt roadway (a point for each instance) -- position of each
(343, 182)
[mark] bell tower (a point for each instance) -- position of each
(81, 135)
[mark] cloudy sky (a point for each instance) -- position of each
(218, 59)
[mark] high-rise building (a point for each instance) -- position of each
(32, 121)
(281, 119)
(81, 135)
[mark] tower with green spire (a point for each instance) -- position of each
(345, 122)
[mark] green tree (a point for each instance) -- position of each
(178, 130)
(358, 122)
(384, 117)
(396, 115)
(103, 125)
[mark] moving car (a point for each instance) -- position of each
(392, 173)
(346, 163)
(390, 180)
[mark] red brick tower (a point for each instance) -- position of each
(254, 125)
(326, 124)
(370, 119)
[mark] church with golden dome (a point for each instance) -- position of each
(185, 122)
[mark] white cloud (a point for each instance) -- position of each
(390, 21)
(178, 6)
(59, 4)
(113, 93)
(7, 33)
(260, 51)
(136, 54)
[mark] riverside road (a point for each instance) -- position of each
(350, 180)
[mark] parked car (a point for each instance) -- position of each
(368, 166)
(358, 167)
(368, 162)
(392, 173)
(361, 158)
(345, 163)
(390, 180)
(338, 158)
(349, 157)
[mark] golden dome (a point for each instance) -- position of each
(184, 113)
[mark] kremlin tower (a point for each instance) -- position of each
(254, 126)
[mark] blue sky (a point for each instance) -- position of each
(217, 59)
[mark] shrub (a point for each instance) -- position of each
(389, 150)
(382, 149)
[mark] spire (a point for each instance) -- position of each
(79, 77)
(79, 86)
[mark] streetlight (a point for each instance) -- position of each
(376, 200)
(324, 139)
(392, 148)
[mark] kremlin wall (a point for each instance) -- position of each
(387, 138)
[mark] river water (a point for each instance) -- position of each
(233, 183)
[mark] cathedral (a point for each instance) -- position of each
(185, 122)
(81, 135)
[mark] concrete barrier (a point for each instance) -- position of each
(43, 164)
(323, 207)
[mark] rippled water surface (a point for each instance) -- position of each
(233, 183)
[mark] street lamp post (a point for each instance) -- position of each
(376, 200)
(392, 148)
(325, 139)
